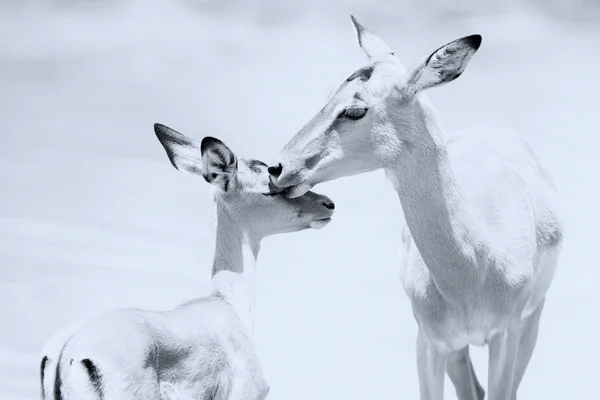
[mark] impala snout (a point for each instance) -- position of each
(330, 205)
(295, 182)
(290, 176)
(319, 215)
(275, 171)
(309, 157)
(299, 171)
(289, 171)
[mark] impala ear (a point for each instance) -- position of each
(373, 46)
(210, 158)
(445, 64)
(183, 152)
(218, 163)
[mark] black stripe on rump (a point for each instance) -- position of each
(95, 376)
(42, 374)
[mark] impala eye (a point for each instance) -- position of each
(355, 113)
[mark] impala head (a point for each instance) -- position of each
(370, 121)
(243, 186)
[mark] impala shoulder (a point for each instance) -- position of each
(549, 228)
(509, 274)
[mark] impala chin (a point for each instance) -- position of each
(320, 223)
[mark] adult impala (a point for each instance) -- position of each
(482, 233)
(202, 349)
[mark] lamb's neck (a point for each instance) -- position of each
(444, 227)
(234, 265)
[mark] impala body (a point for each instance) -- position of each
(482, 230)
(202, 349)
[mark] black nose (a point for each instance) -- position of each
(329, 205)
(275, 171)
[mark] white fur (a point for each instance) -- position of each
(203, 348)
(481, 233)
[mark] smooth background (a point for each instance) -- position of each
(93, 216)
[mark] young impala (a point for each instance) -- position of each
(483, 231)
(203, 348)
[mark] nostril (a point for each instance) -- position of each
(329, 205)
(275, 171)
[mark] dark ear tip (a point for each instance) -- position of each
(161, 130)
(355, 22)
(474, 41)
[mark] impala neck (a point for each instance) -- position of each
(441, 222)
(234, 265)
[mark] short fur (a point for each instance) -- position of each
(202, 349)
(482, 230)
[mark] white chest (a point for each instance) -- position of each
(471, 318)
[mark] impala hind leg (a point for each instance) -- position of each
(461, 373)
(529, 333)
(431, 364)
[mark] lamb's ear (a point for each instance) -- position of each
(373, 46)
(219, 163)
(183, 152)
(445, 64)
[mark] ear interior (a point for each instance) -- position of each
(183, 152)
(218, 162)
(446, 63)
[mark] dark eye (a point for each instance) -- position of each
(355, 113)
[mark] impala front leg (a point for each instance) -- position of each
(431, 366)
(460, 370)
(527, 340)
(503, 350)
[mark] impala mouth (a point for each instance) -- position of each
(320, 223)
(276, 192)
(297, 190)
(291, 191)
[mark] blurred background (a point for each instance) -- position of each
(93, 216)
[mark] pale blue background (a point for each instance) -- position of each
(93, 216)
